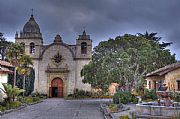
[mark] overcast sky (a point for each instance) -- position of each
(103, 19)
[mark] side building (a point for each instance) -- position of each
(168, 76)
(5, 70)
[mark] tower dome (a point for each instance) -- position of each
(31, 26)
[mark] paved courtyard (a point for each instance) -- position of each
(55, 108)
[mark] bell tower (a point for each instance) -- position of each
(83, 46)
(31, 38)
(83, 57)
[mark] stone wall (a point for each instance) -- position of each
(79, 84)
(36, 70)
(150, 81)
(72, 60)
(67, 62)
(171, 79)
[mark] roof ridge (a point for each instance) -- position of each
(5, 63)
(167, 67)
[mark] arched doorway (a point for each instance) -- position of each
(56, 89)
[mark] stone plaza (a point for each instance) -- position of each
(58, 108)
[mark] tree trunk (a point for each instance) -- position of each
(14, 82)
(24, 82)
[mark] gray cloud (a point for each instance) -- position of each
(103, 18)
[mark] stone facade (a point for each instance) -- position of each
(56, 60)
(169, 75)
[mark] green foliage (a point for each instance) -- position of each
(43, 96)
(112, 107)
(29, 99)
(2, 108)
(80, 94)
(29, 82)
(13, 105)
(4, 44)
(125, 60)
(124, 97)
(10, 105)
(24, 68)
(149, 94)
(176, 96)
(11, 91)
(124, 117)
(21, 61)
(36, 99)
(154, 38)
(15, 51)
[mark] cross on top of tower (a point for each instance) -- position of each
(84, 32)
(32, 10)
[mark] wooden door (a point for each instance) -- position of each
(57, 83)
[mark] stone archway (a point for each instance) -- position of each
(56, 89)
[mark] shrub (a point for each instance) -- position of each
(80, 94)
(43, 96)
(2, 108)
(124, 117)
(34, 94)
(13, 105)
(28, 100)
(176, 97)
(102, 96)
(20, 99)
(39, 95)
(112, 107)
(149, 94)
(124, 97)
(36, 99)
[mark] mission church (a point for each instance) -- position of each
(57, 65)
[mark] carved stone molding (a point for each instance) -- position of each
(57, 59)
(57, 70)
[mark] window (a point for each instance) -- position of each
(178, 85)
(155, 84)
(149, 84)
(32, 48)
(160, 85)
(84, 48)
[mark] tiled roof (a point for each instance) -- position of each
(4, 63)
(7, 71)
(164, 70)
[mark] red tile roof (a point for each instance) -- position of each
(6, 71)
(164, 70)
(4, 63)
